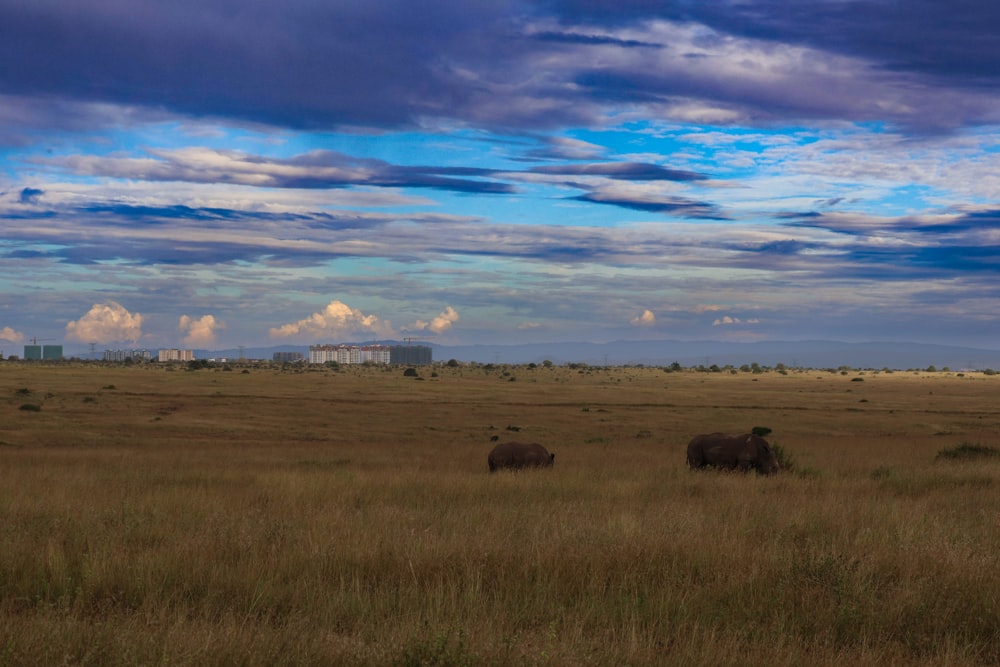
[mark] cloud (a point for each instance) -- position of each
(443, 322)
(625, 171)
(319, 169)
(646, 319)
(198, 332)
(10, 335)
(728, 321)
(508, 64)
(106, 323)
(439, 324)
(336, 320)
(30, 195)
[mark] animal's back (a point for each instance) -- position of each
(519, 455)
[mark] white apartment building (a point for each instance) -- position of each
(349, 354)
(175, 355)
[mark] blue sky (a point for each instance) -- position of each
(216, 173)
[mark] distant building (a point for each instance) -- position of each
(127, 355)
(175, 355)
(350, 354)
(287, 357)
(410, 355)
(43, 352)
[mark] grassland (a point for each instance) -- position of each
(321, 517)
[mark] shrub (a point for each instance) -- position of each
(760, 431)
(967, 451)
(31, 407)
(410, 373)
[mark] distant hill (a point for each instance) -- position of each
(806, 354)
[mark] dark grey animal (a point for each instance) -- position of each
(732, 452)
(517, 455)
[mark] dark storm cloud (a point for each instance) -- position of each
(503, 64)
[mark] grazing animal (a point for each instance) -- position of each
(517, 455)
(732, 452)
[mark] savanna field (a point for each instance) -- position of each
(321, 516)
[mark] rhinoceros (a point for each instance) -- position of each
(732, 452)
(516, 455)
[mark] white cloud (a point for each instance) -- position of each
(199, 332)
(443, 322)
(439, 324)
(9, 334)
(336, 320)
(727, 320)
(647, 319)
(106, 323)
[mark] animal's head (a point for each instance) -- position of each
(551, 461)
(765, 460)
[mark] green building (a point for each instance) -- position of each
(43, 352)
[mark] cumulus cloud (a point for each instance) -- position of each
(647, 319)
(336, 320)
(8, 334)
(727, 321)
(106, 323)
(443, 322)
(439, 324)
(199, 332)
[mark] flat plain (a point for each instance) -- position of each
(316, 516)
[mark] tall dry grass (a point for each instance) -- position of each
(320, 517)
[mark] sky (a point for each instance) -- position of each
(227, 173)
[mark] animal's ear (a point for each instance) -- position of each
(552, 458)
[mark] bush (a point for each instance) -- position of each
(31, 407)
(967, 451)
(410, 373)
